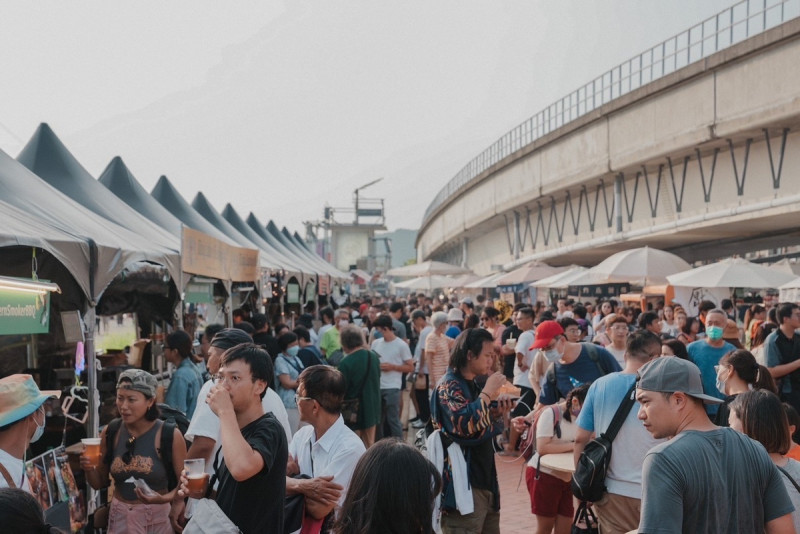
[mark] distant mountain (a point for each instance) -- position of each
(402, 246)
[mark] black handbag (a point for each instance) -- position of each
(350, 406)
(589, 478)
(585, 521)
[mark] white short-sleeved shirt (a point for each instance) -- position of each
(423, 336)
(16, 470)
(334, 454)
(545, 428)
(395, 352)
(524, 347)
(205, 423)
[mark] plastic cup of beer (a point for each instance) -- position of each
(195, 474)
(511, 342)
(91, 450)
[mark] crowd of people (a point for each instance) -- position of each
(302, 429)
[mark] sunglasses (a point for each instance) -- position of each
(127, 456)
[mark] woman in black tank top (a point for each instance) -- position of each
(135, 452)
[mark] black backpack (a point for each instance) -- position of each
(173, 419)
(589, 478)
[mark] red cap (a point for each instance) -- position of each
(545, 332)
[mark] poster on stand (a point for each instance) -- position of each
(52, 481)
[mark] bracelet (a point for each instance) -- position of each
(487, 395)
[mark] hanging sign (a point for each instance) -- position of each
(199, 293)
(24, 312)
(292, 294)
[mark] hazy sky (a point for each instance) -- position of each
(279, 108)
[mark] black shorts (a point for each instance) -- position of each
(526, 402)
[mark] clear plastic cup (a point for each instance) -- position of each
(91, 450)
(195, 474)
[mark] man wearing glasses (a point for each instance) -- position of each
(618, 334)
(325, 450)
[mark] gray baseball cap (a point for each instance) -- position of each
(671, 374)
(138, 380)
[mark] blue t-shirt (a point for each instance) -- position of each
(452, 331)
(583, 370)
(287, 365)
(706, 357)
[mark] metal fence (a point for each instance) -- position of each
(733, 25)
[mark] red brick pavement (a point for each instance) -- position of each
(515, 503)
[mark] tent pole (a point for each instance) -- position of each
(91, 374)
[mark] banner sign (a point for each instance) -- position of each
(292, 294)
(23, 312)
(600, 290)
(199, 293)
(204, 255)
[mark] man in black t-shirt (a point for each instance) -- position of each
(251, 463)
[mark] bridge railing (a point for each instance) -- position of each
(733, 25)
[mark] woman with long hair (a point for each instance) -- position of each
(136, 453)
(757, 345)
(689, 330)
(760, 415)
(392, 491)
(669, 323)
(673, 347)
(737, 373)
(755, 312)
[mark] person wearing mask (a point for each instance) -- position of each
(186, 381)
(288, 367)
(706, 353)
(549, 490)
(760, 415)
(135, 452)
(737, 373)
(22, 418)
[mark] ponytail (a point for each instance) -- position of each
(764, 380)
(748, 369)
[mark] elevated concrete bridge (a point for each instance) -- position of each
(693, 146)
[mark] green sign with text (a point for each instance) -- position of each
(23, 312)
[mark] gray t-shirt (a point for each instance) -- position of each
(715, 482)
(793, 468)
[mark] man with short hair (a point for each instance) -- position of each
(361, 369)
(649, 321)
(617, 331)
(309, 354)
(396, 359)
(325, 450)
(619, 509)
(252, 465)
(205, 341)
(703, 308)
(396, 312)
(419, 322)
(571, 364)
(525, 354)
(263, 336)
(326, 316)
(705, 354)
(22, 419)
(330, 339)
(705, 478)
(782, 352)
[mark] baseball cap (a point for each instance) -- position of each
(455, 315)
(545, 333)
(20, 397)
(138, 380)
(668, 375)
(467, 300)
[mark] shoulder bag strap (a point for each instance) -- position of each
(290, 362)
(10, 481)
(621, 415)
(366, 374)
(782, 470)
(215, 476)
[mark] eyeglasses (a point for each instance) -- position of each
(232, 380)
(127, 456)
(298, 398)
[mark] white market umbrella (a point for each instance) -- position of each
(426, 282)
(427, 268)
(561, 279)
(487, 282)
(643, 266)
(787, 267)
(733, 272)
(528, 273)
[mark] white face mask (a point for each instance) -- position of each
(39, 429)
(552, 355)
(343, 323)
